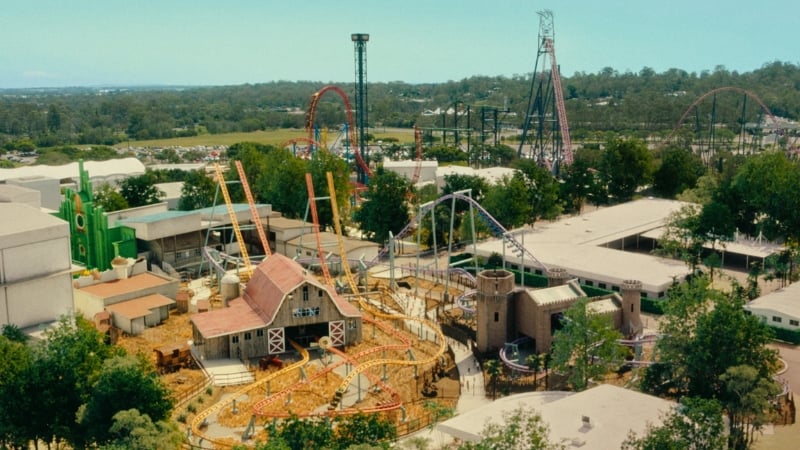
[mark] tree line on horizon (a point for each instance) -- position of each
(638, 103)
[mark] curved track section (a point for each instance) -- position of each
(498, 230)
(312, 109)
(461, 302)
(646, 339)
(393, 403)
(198, 428)
(398, 362)
(716, 91)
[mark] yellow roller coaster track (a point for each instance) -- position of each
(342, 251)
(397, 362)
(234, 222)
(202, 416)
(253, 210)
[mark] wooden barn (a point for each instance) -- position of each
(282, 301)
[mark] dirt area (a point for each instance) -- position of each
(315, 396)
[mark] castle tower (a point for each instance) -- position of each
(631, 307)
(495, 304)
(557, 276)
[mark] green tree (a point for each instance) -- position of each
(14, 333)
(198, 191)
(522, 428)
(679, 170)
(140, 190)
(625, 166)
(543, 191)
(587, 346)
(360, 428)
(125, 382)
(384, 208)
(695, 425)
(107, 197)
(578, 183)
(747, 400)
(283, 182)
(320, 164)
(302, 434)
(60, 379)
(132, 430)
(494, 368)
(704, 333)
(507, 201)
(763, 196)
(14, 365)
(534, 363)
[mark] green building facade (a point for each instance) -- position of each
(93, 243)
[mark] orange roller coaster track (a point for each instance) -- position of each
(253, 209)
(312, 203)
(312, 109)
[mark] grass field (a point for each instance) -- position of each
(272, 137)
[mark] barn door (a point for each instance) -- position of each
(276, 343)
(336, 332)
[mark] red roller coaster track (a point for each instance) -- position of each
(312, 109)
(560, 109)
(715, 91)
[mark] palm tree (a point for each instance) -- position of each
(493, 368)
(534, 363)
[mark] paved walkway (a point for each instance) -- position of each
(472, 396)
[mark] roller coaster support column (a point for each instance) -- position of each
(392, 284)
(419, 248)
(468, 192)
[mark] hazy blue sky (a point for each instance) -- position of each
(201, 42)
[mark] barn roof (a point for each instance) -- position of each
(276, 277)
(263, 297)
(236, 318)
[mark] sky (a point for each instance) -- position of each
(58, 43)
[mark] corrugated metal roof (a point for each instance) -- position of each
(132, 284)
(139, 307)
(236, 318)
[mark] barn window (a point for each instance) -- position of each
(602, 285)
(248, 335)
(777, 319)
(235, 339)
(794, 323)
(497, 317)
(351, 324)
(320, 293)
(305, 293)
(260, 333)
(305, 312)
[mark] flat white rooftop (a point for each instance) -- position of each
(577, 244)
(612, 412)
(784, 300)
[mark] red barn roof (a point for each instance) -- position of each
(263, 297)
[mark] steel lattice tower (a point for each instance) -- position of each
(360, 44)
(545, 128)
